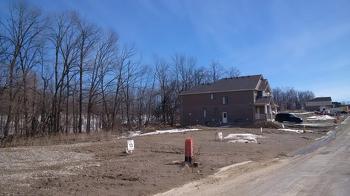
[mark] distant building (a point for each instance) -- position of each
(228, 101)
(319, 104)
(336, 104)
(339, 108)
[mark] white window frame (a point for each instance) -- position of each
(224, 100)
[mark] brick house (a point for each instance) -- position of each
(242, 99)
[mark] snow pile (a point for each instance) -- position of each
(138, 133)
(169, 131)
(302, 113)
(323, 117)
(292, 130)
(242, 138)
(134, 133)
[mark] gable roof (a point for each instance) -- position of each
(320, 99)
(241, 83)
(263, 85)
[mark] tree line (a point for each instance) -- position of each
(291, 99)
(62, 74)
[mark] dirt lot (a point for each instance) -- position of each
(101, 167)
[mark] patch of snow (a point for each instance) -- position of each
(315, 125)
(294, 130)
(242, 138)
(243, 141)
(157, 132)
(134, 133)
(169, 131)
(322, 117)
(302, 113)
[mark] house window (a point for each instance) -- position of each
(211, 96)
(260, 94)
(204, 113)
(224, 100)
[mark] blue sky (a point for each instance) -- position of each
(295, 43)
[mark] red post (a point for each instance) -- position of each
(188, 150)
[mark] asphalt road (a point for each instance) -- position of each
(325, 171)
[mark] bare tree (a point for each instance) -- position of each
(58, 33)
(290, 99)
(200, 76)
(184, 71)
(69, 54)
(107, 76)
(233, 72)
(98, 69)
(143, 96)
(132, 86)
(124, 58)
(21, 28)
(187, 76)
(215, 71)
(162, 69)
(45, 76)
(86, 40)
(304, 96)
(54, 74)
(28, 58)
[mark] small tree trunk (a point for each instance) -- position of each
(88, 118)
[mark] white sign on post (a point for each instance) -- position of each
(130, 147)
(219, 136)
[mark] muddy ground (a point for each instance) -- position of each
(101, 167)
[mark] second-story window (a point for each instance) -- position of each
(211, 96)
(224, 100)
(260, 94)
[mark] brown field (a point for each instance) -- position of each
(99, 167)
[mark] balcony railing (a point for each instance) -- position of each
(263, 116)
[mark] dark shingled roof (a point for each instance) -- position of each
(320, 99)
(227, 84)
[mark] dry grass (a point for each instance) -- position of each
(62, 138)
(54, 139)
